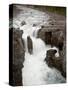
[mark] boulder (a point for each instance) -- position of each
(55, 62)
(29, 45)
(49, 57)
(23, 23)
(34, 25)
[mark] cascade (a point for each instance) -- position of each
(36, 71)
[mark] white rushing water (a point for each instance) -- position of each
(36, 71)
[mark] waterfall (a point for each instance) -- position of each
(36, 71)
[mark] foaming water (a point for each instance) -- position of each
(36, 71)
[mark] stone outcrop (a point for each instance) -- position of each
(57, 39)
(17, 58)
(52, 36)
(29, 45)
(34, 25)
(55, 62)
(18, 47)
(23, 23)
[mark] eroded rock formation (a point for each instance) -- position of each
(55, 62)
(29, 45)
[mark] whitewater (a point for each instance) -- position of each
(36, 70)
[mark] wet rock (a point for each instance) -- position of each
(18, 47)
(34, 25)
(63, 56)
(57, 39)
(48, 36)
(45, 35)
(49, 57)
(17, 75)
(23, 23)
(29, 45)
(18, 54)
(55, 62)
(41, 34)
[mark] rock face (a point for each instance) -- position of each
(18, 54)
(50, 57)
(53, 37)
(18, 47)
(29, 45)
(55, 62)
(57, 39)
(48, 36)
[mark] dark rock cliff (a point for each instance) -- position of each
(29, 45)
(55, 62)
(17, 57)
